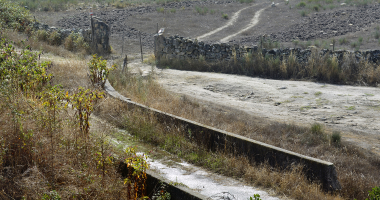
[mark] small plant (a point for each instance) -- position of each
(316, 8)
(255, 197)
(295, 42)
(52, 195)
(318, 93)
(377, 35)
(201, 11)
(304, 13)
(173, 10)
(54, 38)
(374, 194)
(137, 166)
(351, 108)
(343, 41)
(317, 129)
(225, 16)
(301, 4)
(160, 10)
(360, 40)
(99, 71)
(336, 137)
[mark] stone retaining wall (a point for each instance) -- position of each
(175, 47)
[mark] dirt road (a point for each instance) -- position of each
(353, 110)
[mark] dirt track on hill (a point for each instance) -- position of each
(282, 23)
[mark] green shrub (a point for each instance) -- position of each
(160, 10)
(374, 194)
(173, 10)
(42, 35)
(13, 16)
(316, 8)
(336, 137)
(317, 129)
(360, 40)
(303, 13)
(54, 38)
(225, 16)
(75, 42)
(343, 41)
(377, 35)
(301, 4)
(201, 11)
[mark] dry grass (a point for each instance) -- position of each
(70, 73)
(357, 168)
(319, 67)
(292, 183)
(22, 40)
(43, 153)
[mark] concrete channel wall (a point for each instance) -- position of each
(156, 182)
(257, 152)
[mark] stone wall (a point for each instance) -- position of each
(98, 38)
(175, 47)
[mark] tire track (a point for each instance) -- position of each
(230, 23)
(253, 23)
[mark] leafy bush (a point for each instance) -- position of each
(13, 16)
(54, 38)
(225, 16)
(374, 194)
(98, 70)
(75, 42)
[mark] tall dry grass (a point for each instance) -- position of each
(323, 68)
(292, 183)
(357, 168)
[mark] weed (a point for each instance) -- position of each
(99, 71)
(336, 137)
(360, 40)
(295, 42)
(301, 4)
(225, 16)
(343, 41)
(317, 129)
(369, 94)
(54, 38)
(316, 8)
(173, 10)
(374, 194)
(317, 94)
(377, 35)
(304, 13)
(201, 11)
(160, 10)
(351, 108)
(255, 197)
